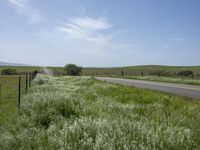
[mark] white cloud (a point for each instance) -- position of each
(87, 36)
(86, 28)
(25, 8)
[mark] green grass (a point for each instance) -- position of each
(9, 96)
(77, 113)
(164, 79)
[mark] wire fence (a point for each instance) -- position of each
(12, 88)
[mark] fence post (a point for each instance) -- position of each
(122, 72)
(0, 92)
(29, 80)
(19, 98)
(26, 83)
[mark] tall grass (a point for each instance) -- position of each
(9, 95)
(76, 113)
(180, 80)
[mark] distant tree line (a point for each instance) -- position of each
(184, 73)
(9, 71)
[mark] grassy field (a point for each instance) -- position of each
(132, 70)
(136, 70)
(164, 79)
(9, 96)
(78, 113)
(21, 69)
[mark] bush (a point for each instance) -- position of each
(185, 73)
(9, 72)
(73, 70)
(160, 73)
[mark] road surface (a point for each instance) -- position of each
(47, 71)
(177, 89)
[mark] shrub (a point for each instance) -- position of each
(160, 73)
(9, 71)
(185, 73)
(73, 70)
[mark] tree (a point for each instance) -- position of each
(9, 71)
(73, 70)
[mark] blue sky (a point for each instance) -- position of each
(100, 33)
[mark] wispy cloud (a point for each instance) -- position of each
(86, 35)
(86, 28)
(25, 8)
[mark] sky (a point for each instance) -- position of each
(100, 33)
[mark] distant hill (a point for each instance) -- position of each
(136, 70)
(131, 70)
(12, 64)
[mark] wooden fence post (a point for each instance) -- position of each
(19, 98)
(29, 80)
(0, 92)
(122, 72)
(26, 83)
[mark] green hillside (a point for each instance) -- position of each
(136, 70)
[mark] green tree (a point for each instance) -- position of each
(73, 70)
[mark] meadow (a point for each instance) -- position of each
(82, 113)
(136, 70)
(9, 95)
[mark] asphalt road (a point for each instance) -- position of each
(177, 89)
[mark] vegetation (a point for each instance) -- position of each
(21, 69)
(189, 81)
(9, 96)
(185, 73)
(76, 113)
(146, 70)
(138, 70)
(73, 70)
(160, 73)
(9, 71)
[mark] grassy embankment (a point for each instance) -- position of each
(77, 113)
(9, 96)
(185, 80)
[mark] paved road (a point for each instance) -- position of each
(178, 89)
